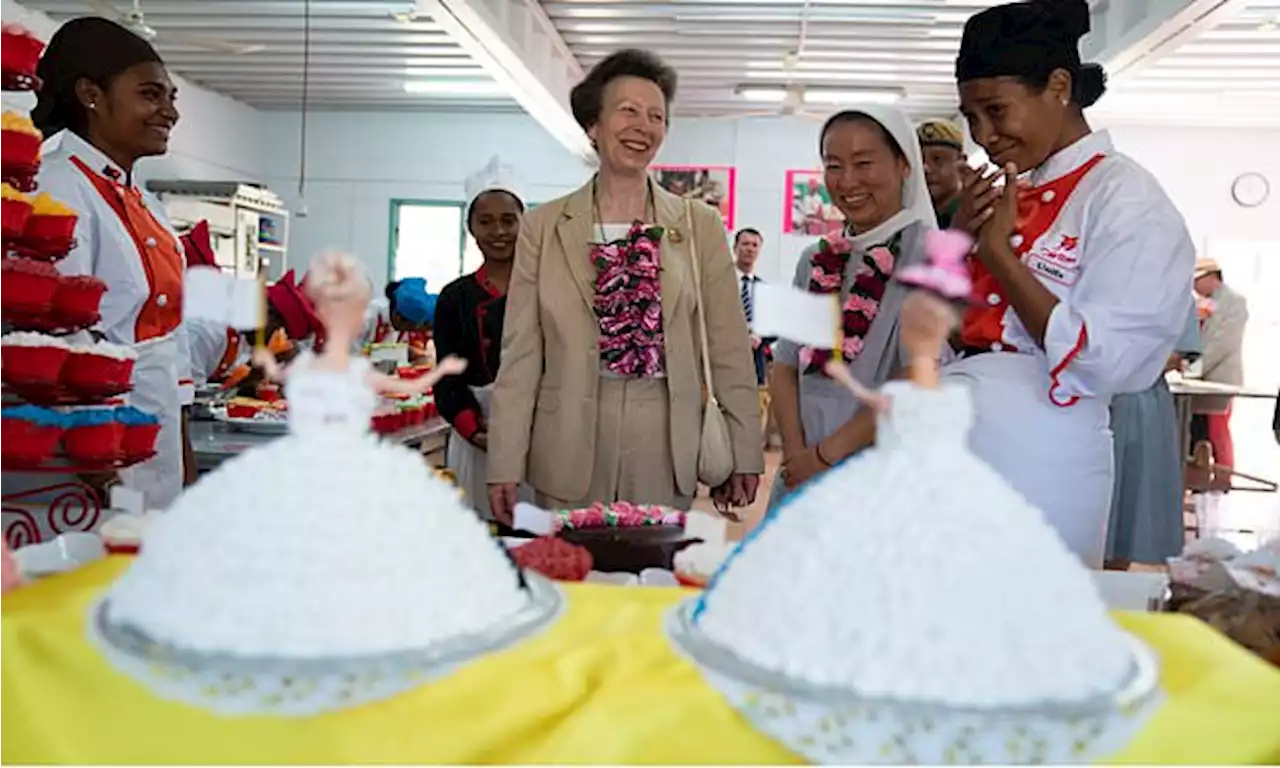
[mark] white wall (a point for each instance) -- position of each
(360, 161)
(216, 139)
(1196, 166)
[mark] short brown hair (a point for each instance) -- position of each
(586, 100)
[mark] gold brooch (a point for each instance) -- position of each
(676, 236)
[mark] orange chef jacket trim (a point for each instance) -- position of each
(158, 250)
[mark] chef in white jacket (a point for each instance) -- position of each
(1082, 266)
(106, 95)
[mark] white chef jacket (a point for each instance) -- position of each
(213, 349)
(1098, 231)
(103, 246)
(134, 311)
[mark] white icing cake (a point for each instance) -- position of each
(914, 572)
(324, 543)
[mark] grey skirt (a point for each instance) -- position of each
(1146, 505)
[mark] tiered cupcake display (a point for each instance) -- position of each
(61, 412)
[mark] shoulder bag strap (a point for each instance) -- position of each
(702, 316)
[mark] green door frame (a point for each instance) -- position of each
(393, 229)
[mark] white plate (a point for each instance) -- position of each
(260, 426)
(65, 553)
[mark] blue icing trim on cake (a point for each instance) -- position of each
(44, 417)
(135, 416)
(92, 418)
(769, 516)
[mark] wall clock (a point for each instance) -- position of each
(1250, 190)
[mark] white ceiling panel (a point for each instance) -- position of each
(732, 55)
(1228, 74)
(361, 53)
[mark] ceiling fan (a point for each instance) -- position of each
(134, 20)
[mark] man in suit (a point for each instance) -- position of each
(1222, 339)
(746, 250)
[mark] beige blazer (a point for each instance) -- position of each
(543, 424)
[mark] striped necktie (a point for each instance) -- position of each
(746, 298)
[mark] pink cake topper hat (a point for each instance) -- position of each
(946, 273)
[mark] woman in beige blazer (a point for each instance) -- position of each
(600, 393)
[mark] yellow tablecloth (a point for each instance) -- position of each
(601, 686)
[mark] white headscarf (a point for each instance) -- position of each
(917, 206)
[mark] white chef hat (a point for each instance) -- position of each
(495, 175)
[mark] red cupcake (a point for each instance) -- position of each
(28, 287)
(32, 359)
(15, 207)
(101, 370)
(50, 230)
(93, 438)
(140, 431)
(19, 54)
(29, 435)
(75, 303)
(19, 146)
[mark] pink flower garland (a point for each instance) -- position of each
(628, 303)
(860, 309)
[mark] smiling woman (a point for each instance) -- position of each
(603, 320)
(874, 172)
(106, 93)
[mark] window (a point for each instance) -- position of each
(428, 240)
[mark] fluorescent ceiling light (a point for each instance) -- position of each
(455, 87)
(429, 71)
(763, 94)
(868, 96)
(823, 95)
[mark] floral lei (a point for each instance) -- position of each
(628, 302)
(863, 304)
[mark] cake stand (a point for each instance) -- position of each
(835, 726)
(233, 684)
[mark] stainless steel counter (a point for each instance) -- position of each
(215, 442)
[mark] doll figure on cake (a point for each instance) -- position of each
(334, 386)
(327, 556)
(934, 593)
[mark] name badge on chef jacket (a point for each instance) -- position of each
(1056, 270)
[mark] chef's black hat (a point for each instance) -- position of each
(90, 47)
(1029, 40)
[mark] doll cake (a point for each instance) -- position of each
(326, 556)
(910, 593)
